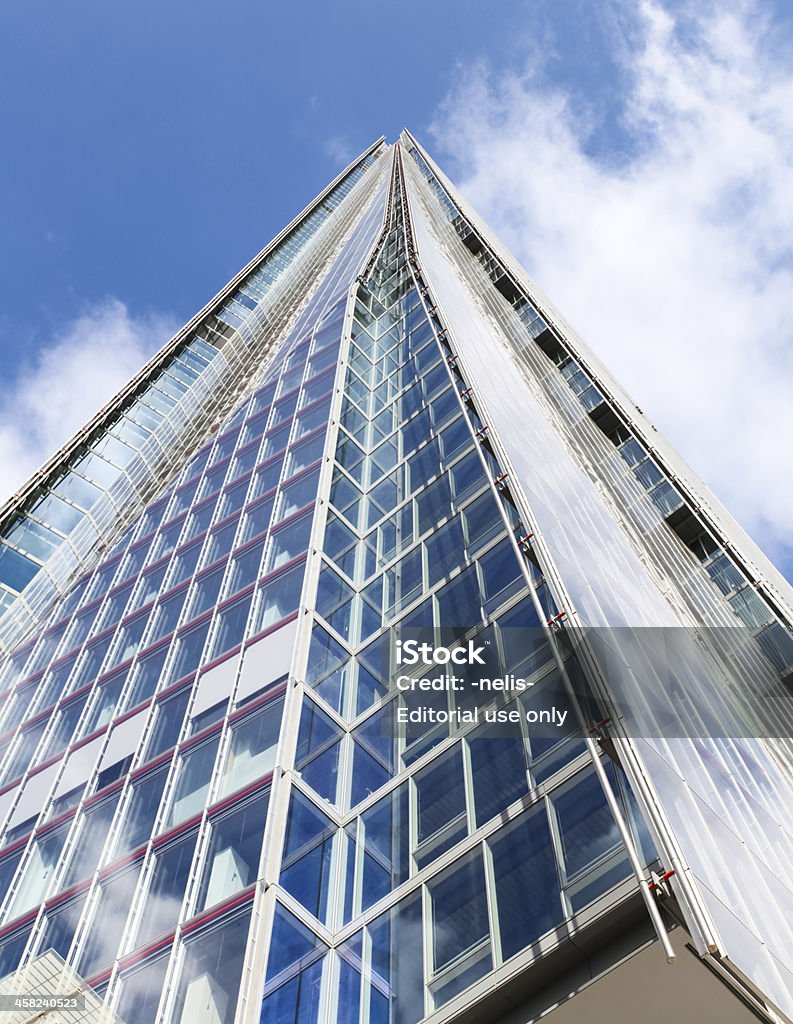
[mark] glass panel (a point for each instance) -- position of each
(440, 797)
(146, 675)
(166, 891)
(38, 872)
(141, 990)
(586, 826)
(460, 928)
(308, 848)
(235, 847)
(278, 597)
(60, 926)
(104, 938)
(188, 648)
(253, 745)
(143, 806)
(169, 716)
(210, 977)
(93, 831)
(396, 989)
(230, 626)
(289, 541)
(528, 896)
(498, 770)
(193, 778)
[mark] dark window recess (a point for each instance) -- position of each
(508, 289)
(472, 241)
(550, 345)
(691, 531)
(115, 771)
(604, 417)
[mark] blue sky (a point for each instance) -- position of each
(157, 146)
(153, 148)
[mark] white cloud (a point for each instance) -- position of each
(69, 381)
(339, 150)
(675, 261)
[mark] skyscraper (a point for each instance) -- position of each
(371, 658)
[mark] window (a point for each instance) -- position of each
(307, 860)
(254, 740)
(210, 977)
(205, 592)
(141, 989)
(163, 901)
(297, 494)
(187, 650)
(256, 519)
(528, 896)
(146, 675)
(294, 973)
(148, 586)
(194, 773)
(220, 542)
(594, 857)
(266, 477)
(91, 837)
(230, 626)
(444, 551)
(61, 924)
(244, 567)
(127, 640)
(166, 616)
(184, 563)
(498, 769)
(385, 860)
(38, 872)
(460, 929)
(501, 575)
(289, 541)
(278, 597)
(235, 847)
(440, 801)
(169, 716)
(104, 938)
(397, 937)
(144, 803)
(305, 454)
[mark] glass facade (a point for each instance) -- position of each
(218, 802)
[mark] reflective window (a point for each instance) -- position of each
(460, 928)
(278, 597)
(187, 650)
(91, 836)
(104, 938)
(141, 989)
(168, 718)
(230, 626)
(146, 675)
(209, 981)
(294, 972)
(254, 740)
(142, 810)
(308, 850)
(194, 772)
(163, 902)
(234, 850)
(527, 885)
(440, 797)
(38, 872)
(60, 924)
(288, 541)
